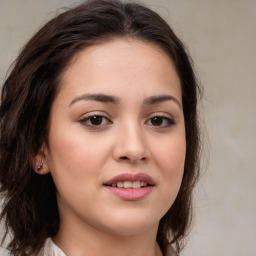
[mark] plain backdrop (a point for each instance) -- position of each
(221, 38)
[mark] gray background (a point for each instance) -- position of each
(221, 37)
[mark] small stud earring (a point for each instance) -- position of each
(40, 167)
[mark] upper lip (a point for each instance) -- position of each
(131, 177)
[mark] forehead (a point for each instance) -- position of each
(120, 63)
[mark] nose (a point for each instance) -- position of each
(131, 145)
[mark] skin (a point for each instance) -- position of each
(82, 157)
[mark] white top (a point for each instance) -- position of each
(50, 249)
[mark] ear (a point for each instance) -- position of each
(39, 162)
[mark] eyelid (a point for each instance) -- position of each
(163, 114)
(95, 113)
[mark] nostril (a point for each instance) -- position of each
(130, 159)
(124, 158)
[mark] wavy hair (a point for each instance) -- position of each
(30, 207)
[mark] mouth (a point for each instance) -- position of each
(128, 180)
(130, 184)
(130, 187)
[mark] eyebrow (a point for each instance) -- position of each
(115, 100)
(160, 98)
(96, 97)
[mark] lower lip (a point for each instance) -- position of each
(131, 194)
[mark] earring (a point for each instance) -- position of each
(40, 167)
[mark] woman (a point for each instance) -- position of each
(99, 136)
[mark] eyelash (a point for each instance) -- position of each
(168, 122)
(103, 121)
(89, 118)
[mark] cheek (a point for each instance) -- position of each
(170, 159)
(75, 158)
(76, 162)
(171, 155)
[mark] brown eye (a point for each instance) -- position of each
(157, 121)
(161, 121)
(95, 121)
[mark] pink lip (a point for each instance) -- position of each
(131, 194)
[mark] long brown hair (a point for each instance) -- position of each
(30, 208)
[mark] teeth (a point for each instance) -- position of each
(120, 184)
(136, 184)
(130, 184)
(127, 184)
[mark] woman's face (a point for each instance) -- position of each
(117, 138)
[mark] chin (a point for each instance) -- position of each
(128, 225)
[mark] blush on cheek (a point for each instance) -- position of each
(83, 159)
(171, 160)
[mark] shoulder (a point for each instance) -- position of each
(49, 248)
